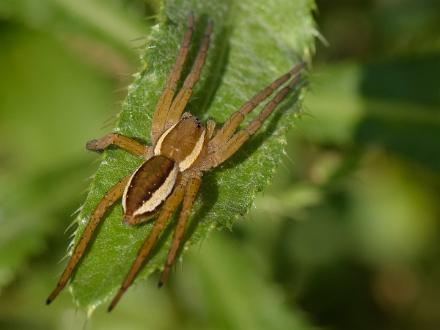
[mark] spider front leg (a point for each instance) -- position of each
(108, 200)
(182, 98)
(230, 147)
(166, 98)
(121, 141)
(170, 205)
(237, 117)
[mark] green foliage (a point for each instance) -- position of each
(380, 104)
(102, 20)
(238, 65)
(349, 223)
(234, 304)
(37, 170)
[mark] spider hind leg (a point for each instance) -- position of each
(104, 204)
(188, 201)
(170, 205)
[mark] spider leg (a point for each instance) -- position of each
(210, 126)
(166, 212)
(109, 199)
(188, 201)
(165, 100)
(237, 117)
(239, 138)
(120, 141)
(182, 98)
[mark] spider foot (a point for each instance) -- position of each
(95, 145)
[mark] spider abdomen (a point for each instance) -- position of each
(148, 187)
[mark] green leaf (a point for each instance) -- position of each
(253, 43)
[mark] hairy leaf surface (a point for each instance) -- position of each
(253, 43)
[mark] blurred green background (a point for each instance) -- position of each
(346, 237)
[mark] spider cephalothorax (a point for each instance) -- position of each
(182, 149)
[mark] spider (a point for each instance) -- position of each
(182, 149)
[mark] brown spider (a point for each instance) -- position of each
(182, 149)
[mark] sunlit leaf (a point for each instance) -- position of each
(253, 43)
